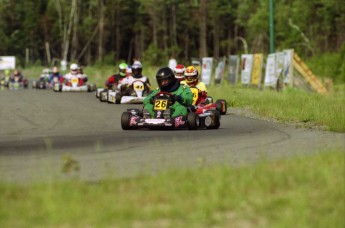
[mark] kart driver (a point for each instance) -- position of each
(191, 76)
(73, 73)
(181, 94)
(55, 74)
(45, 75)
(179, 72)
(115, 79)
(82, 74)
(136, 75)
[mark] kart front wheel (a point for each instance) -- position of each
(125, 120)
(117, 98)
(222, 106)
(192, 121)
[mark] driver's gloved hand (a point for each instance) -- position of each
(177, 98)
(152, 100)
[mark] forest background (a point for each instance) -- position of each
(103, 32)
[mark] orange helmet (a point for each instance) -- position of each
(191, 76)
(179, 72)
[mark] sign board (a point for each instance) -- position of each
(288, 67)
(246, 67)
(219, 75)
(270, 74)
(233, 69)
(257, 68)
(206, 70)
(7, 62)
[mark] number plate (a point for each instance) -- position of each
(160, 104)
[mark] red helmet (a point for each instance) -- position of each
(179, 72)
(191, 76)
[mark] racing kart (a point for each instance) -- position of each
(43, 83)
(16, 83)
(128, 94)
(207, 104)
(74, 85)
(5, 81)
(134, 118)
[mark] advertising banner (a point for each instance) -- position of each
(7, 62)
(206, 70)
(219, 75)
(233, 69)
(257, 68)
(270, 74)
(288, 66)
(246, 67)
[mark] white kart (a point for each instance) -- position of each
(74, 86)
(137, 92)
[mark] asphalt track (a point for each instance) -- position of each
(39, 128)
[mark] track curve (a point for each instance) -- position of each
(38, 128)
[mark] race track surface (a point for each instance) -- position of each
(40, 128)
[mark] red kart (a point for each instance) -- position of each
(202, 102)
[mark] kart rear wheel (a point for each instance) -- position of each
(125, 119)
(192, 121)
(216, 121)
(222, 106)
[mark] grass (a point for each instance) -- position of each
(297, 192)
(291, 105)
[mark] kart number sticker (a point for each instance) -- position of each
(195, 92)
(139, 86)
(74, 80)
(160, 105)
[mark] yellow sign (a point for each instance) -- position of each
(256, 72)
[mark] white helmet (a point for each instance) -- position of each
(74, 66)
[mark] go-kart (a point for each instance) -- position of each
(5, 81)
(134, 118)
(75, 84)
(207, 104)
(128, 94)
(16, 83)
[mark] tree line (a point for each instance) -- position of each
(106, 31)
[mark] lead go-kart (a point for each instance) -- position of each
(74, 85)
(134, 93)
(134, 118)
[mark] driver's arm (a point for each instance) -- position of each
(187, 96)
(148, 98)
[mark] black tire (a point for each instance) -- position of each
(192, 121)
(216, 121)
(125, 119)
(118, 98)
(101, 96)
(221, 104)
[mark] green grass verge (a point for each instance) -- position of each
(291, 105)
(297, 192)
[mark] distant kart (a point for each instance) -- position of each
(44, 83)
(135, 119)
(16, 83)
(208, 104)
(74, 85)
(5, 81)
